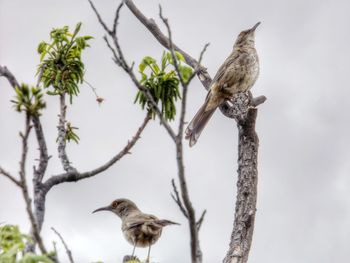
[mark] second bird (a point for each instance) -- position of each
(237, 74)
(139, 229)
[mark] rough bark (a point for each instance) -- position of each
(243, 227)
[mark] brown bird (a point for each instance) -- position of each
(139, 229)
(237, 74)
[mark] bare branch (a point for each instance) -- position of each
(177, 199)
(73, 176)
(171, 47)
(100, 19)
(11, 177)
(62, 154)
(116, 18)
(22, 173)
(68, 251)
(4, 72)
(196, 69)
(200, 221)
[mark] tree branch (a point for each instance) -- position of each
(11, 177)
(74, 176)
(4, 72)
(68, 251)
(163, 40)
(120, 60)
(177, 199)
(61, 139)
(22, 173)
(44, 157)
(243, 227)
(201, 219)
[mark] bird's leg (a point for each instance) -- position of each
(149, 252)
(133, 250)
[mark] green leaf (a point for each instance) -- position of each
(179, 56)
(77, 29)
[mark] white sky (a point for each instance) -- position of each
(303, 204)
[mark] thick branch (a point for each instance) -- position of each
(44, 157)
(73, 176)
(22, 173)
(61, 139)
(242, 233)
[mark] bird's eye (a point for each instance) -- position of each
(115, 204)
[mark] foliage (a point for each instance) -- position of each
(12, 244)
(61, 66)
(70, 134)
(162, 83)
(29, 100)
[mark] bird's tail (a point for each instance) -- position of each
(196, 126)
(164, 222)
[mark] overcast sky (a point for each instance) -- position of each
(303, 211)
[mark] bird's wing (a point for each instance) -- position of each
(231, 59)
(139, 220)
(233, 69)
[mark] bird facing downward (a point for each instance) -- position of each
(237, 74)
(139, 229)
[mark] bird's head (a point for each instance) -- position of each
(121, 207)
(246, 37)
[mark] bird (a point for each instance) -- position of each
(139, 229)
(237, 74)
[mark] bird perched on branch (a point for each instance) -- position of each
(139, 229)
(237, 74)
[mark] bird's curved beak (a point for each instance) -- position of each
(106, 208)
(255, 26)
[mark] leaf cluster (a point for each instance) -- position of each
(29, 99)
(12, 245)
(60, 65)
(70, 134)
(162, 83)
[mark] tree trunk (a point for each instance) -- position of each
(243, 227)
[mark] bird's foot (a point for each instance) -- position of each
(131, 259)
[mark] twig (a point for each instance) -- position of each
(200, 221)
(68, 251)
(73, 176)
(197, 68)
(11, 177)
(177, 199)
(171, 47)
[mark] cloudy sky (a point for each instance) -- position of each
(304, 199)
